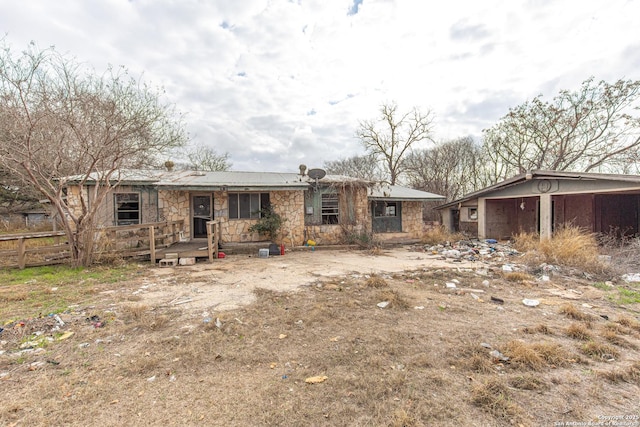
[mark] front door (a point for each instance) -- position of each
(201, 208)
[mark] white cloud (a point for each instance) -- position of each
(278, 83)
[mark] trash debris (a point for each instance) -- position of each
(83, 345)
(498, 356)
(282, 336)
(218, 323)
(497, 300)
(65, 335)
(486, 345)
(531, 302)
(419, 307)
(631, 277)
(59, 320)
(476, 297)
(316, 380)
(450, 285)
(383, 304)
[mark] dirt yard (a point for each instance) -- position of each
(398, 337)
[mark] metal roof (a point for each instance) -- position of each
(543, 174)
(252, 181)
(395, 192)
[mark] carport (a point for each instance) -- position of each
(542, 201)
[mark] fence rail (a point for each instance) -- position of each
(52, 247)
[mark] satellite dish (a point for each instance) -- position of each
(316, 174)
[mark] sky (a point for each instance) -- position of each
(279, 83)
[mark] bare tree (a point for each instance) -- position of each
(204, 158)
(58, 118)
(596, 128)
(364, 167)
(392, 136)
(451, 168)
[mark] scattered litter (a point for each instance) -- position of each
(507, 267)
(585, 305)
(499, 356)
(151, 379)
(316, 380)
(83, 345)
(631, 277)
(383, 304)
(476, 297)
(65, 335)
(419, 307)
(531, 302)
(282, 336)
(218, 323)
(486, 345)
(59, 320)
(497, 300)
(485, 283)
(450, 285)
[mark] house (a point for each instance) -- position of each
(542, 201)
(325, 208)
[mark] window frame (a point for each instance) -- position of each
(117, 210)
(472, 214)
(329, 208)
(387, 208)
(244, 205)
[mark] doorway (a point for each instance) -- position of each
(202, 213)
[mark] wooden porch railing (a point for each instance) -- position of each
(213, 238)
(52, 247)
(34, 249)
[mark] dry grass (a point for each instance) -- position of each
(599, 351)
(493, 397)
(570, 246)
(528, 382)
(151, 364)
(629, 322)
(517, 277)
(614, 338)
(629, 374)
(578, 331)
(537, 356)
(376, 281)
(394, 298)
(440, 235)
(572, 312)
(538, 329)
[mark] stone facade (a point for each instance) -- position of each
(355, 217)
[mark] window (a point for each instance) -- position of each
(473, 214)
(247, 205)
(127, 208)
(385, 209)
(330, 208)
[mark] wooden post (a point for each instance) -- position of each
(210, 235)
(216, 237)
(152, 244)
(21, 253)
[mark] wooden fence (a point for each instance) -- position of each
(52, 247)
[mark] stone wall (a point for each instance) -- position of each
(174, 206)
(355, 218)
